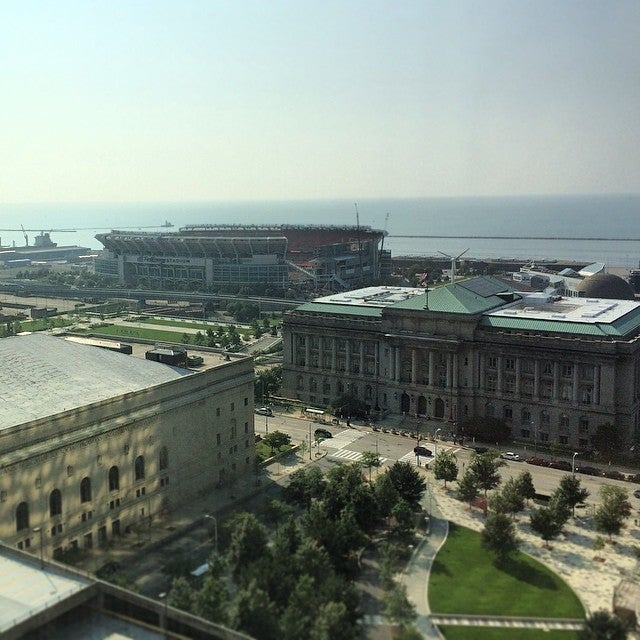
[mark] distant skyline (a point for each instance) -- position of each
(203, 100)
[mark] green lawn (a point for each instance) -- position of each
(486, 633)
(187, 324)
(129, 331)
(465, 580)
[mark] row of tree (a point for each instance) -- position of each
(290, 576)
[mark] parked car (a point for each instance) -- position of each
(422, 451)
(634, 478)
(636, 493)
(264, 411)
(614, 475)
(322, 434)
(481, 449)
(560, 464)
(588, 471)
(509, 455)
(540, 462)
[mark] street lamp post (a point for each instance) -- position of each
(435, 439)
(215, 530)
(573, 463)
(266, 424)
(39, 530)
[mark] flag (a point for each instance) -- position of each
(423, 280)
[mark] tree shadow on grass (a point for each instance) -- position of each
(440, 569)
(525, 572)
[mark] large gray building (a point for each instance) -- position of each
(553, 368)
(94, 443)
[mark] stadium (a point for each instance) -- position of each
(276, 256)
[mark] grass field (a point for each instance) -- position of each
(465, 580)
(122, 331)
(485, 633)
(188, 324)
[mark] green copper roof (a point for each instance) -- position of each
(470, 297)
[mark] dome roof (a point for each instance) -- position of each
(605, 285)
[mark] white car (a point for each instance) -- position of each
(509, 455)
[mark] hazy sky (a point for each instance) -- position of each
(283, 99)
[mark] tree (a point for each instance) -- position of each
(253, 613)
(606, 440)
(571, 493)
(403, 514)
(407, 482)
(603, 625)
(211, 601)
(276, 440)
(333, 621)
(181, 594)
(544, 522)
(485, 469)
(486, 429)
(305, 485)
(499, 536)
(445, 467)
(247, 544)
(397, 607)
(468, 487)
(613, 510)
(513, 499)
(386, 495)
(369, 460)
(525, 485)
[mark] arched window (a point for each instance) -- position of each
(139, 468)
(525, 416)
(22, 516)
(55, 503)
(114, 479)
(85, 490)
(163, 458)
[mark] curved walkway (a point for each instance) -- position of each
(416, 579)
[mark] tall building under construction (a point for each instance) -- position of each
(209, 256)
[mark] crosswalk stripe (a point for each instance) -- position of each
(350, 455)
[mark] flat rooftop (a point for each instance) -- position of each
(43, 375)
(27, 590)
(583, 310)
(372, 296)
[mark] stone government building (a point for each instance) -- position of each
(94, 442)
(553, 367)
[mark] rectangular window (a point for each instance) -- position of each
(567, 370)
(232, 406)
(218, 412)
(3, 496)
(510, 364)
(246, 402)
(218, 438)
(246, 427)
(508, 413)
(564, 439)
(544, 437)
(525, 433)
(492, 362)
(566, 393)
(547, 368)
(585, 395)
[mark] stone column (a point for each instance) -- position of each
(595, 398)
(556, 381)
(361, 357)
(500, 373)
(430, 368)
(481, 359)
(414, 367)
(347, 356)
(574, 396)
(397, 366)
(536, 379)
(334, 349)
(518, 376)
(307, 351)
